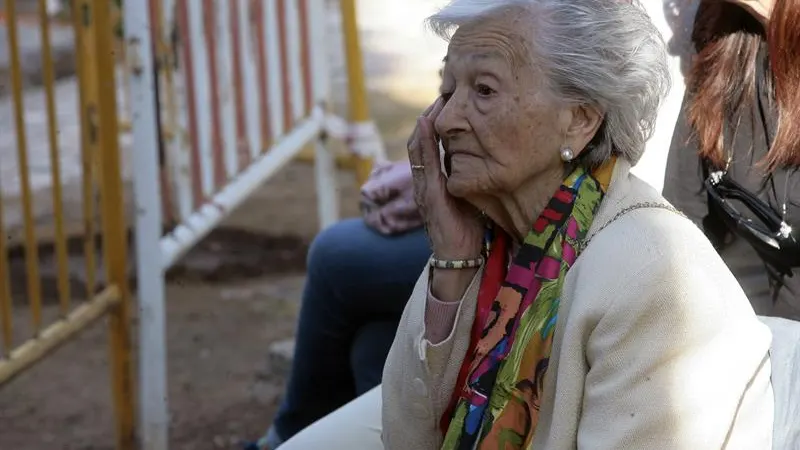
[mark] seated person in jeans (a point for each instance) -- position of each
(360, 274)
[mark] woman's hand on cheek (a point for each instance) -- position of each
(454, 227)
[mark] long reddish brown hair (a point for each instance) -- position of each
(723, 76)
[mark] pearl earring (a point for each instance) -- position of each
(567, 154)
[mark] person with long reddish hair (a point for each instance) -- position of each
(740, 118)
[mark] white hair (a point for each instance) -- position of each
(604, 53)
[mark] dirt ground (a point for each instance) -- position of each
(228, 301)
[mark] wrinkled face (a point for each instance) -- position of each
(499, 127)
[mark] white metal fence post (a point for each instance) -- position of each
(154, 418)
(325, 164)
(325, 174)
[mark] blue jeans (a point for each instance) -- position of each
(358, 284)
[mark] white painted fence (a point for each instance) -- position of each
(242, 89)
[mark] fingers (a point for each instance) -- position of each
(401, 208)
(434, 110)
(397, 216)
(376, 192)
(418, 145)
(379, 167)
(374, 220)
(429, 149)
(402, 225)
(417, 175)
(433, 114)
(414, 150)
(431, 107)
(394, 180)
(415, 134)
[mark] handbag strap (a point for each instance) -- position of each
(624, 211)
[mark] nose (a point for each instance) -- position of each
(452, 121)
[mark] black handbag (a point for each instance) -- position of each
(776, 241)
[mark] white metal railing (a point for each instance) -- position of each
(242, 88)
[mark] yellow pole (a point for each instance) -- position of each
(6, 328)
(31, 245)
(359, 108)
(87, 91)
(115, 249)
(55, 166)
(6, 324)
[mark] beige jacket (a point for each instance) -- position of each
(656, 345)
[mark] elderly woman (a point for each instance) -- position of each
(566, 305)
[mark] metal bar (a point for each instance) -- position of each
(325, 175)
(295, 63)
(274, 77)
(126, 101)
(31, 245)
(191, 102)
(165, 59)
(325, 159)
(305, 56)
(261, 57)
(153, 403)
(203, 97)
(158, 53)
(60, 332)
(286, 91)
(210, 33)
(55, 165)
(357, 89)
(173, 126)
(250, 75)
(359, 108)
(6, 325)
(202, 221)
(242, 144)
(321, 88)
(119, 52)
(87, 92)
(114, 226)
(226, 90)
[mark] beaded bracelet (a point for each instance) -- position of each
(457, 264)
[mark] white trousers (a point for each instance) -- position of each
(354, 426)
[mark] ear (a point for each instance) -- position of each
(584, 121)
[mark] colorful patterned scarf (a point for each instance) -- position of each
(497, 397)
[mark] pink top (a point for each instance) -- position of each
(439, 318)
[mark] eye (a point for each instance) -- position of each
(484, 90)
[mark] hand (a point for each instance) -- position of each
(387, 199)
(387, 182)
(398, 216)
(454, 227)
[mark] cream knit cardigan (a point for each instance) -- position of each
(656, 346)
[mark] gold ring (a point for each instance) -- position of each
(417, 167)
